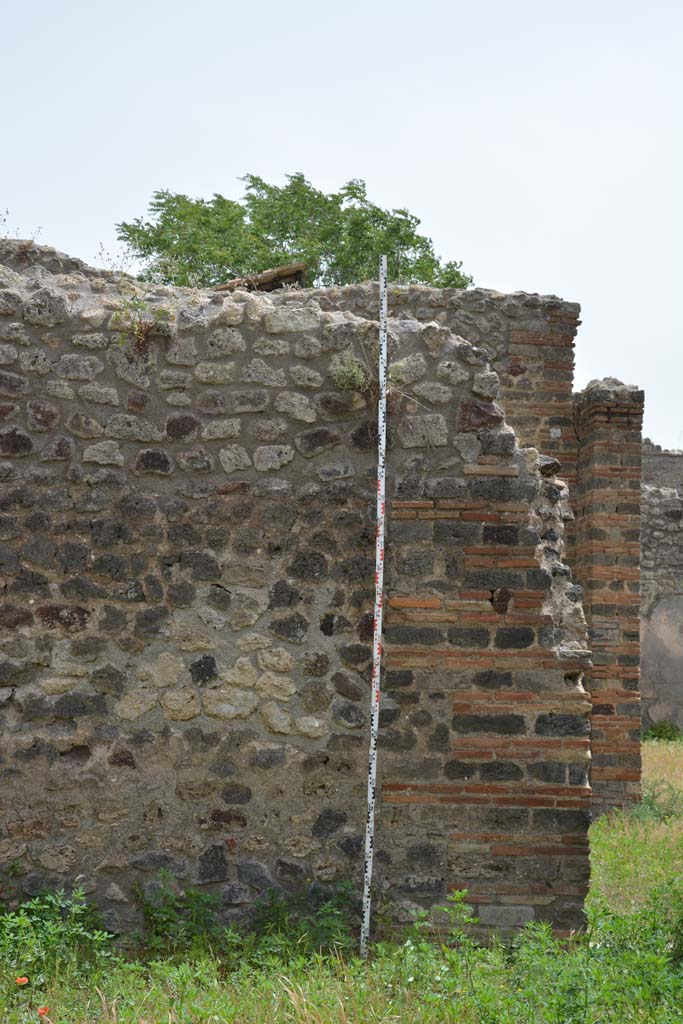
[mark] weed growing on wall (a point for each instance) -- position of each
(16, 233)
(349, 374)
(361, 376)
(137, 319)
(137, 316)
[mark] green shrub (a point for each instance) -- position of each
(663, 731)
(179, 920)
(661, 802)
(294, 961)
(317, 920)
(187, 921)
(625, 969)
(53, 932)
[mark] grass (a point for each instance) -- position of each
(663, 762)
(635, 854)
(298, 966)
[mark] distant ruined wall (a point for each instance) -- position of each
(187, 557)
(662, 599)
(662, 468)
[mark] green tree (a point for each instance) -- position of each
(340, 235)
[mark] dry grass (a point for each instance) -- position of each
(663, 762)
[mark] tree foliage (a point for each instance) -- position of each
(340, 235)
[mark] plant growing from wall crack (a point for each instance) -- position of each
(137, 319)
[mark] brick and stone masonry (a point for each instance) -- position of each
(529, 340)
(608, 423)
(186, 548)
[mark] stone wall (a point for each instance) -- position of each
(187, 557)
(661, 467)
(529, 341)
(662, 585)
(662, 604)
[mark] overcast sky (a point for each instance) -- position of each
(540, 142)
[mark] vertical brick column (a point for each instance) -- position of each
(608, 417)
(484, 728)
(536, 370)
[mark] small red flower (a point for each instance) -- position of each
(21, 981)
(43, 1011)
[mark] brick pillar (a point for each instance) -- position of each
(536, 367)
(536, 375)
(484, 728)
(608, 418)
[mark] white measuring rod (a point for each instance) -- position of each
(379, 584)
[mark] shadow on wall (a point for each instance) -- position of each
(662, 655)
(661, 607)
